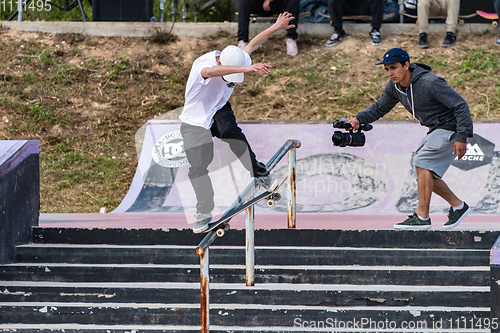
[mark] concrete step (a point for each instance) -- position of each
(435, 239)
(348, 274)
(277, 255)
(264, 294)
(305, 281)
(239, 315)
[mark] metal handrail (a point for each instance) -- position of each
(248, 191)
(203, 247)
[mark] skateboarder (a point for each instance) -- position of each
(437, 106)
(207, 113)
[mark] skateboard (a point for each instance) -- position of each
(222, 224)
(359, 17)
(489, 16)
(256, 18)
(461, 18)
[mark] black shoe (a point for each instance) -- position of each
(423, 42)
(449, 40)
(336, 38)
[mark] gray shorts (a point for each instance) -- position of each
(435, 152)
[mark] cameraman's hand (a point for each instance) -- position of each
(460, 148)
(354, 123)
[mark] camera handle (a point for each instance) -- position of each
(364, 127)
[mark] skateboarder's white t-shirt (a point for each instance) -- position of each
(204, 97)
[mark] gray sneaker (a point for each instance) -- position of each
(375, 37)
(336, 38)
(269, 183)
(202, 221)
(456, 216)
(413, 222)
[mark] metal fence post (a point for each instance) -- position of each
(250, 245)
(204, 292)
(291, 188)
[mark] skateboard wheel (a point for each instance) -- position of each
(494, 23)
(270, 203)
(461, 22)
(277, 197)
(220, 232)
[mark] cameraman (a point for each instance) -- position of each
(440, 108)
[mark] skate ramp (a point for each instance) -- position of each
(374, 179)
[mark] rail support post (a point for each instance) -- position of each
(291, 188)
(204, 292)
(250, 246)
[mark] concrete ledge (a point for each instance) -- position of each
(19, 194)
(143, 29)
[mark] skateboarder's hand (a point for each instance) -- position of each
(283, 21)
(460, 148)
(259, 68)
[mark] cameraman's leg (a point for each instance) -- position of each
(226, 129)
(441, 189)
(425, 184)
(431, 160)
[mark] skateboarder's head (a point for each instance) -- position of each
(233, 56)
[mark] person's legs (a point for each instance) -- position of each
(441, 189)
(198, 146)
(452, 8)
(425, 9)
(377, 11)
(432, 158)
(226, 129)
(335, 10)
(245, 8)
(425, 185)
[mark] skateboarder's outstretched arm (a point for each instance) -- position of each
(283, 22)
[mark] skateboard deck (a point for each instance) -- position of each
(359, 17)
(461, 18)
(489, 16)
(220, 223)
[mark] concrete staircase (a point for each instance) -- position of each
(118, 280)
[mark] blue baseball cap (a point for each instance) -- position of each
(394, 55)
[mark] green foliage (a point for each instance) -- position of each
(39, 114)
(480, 59)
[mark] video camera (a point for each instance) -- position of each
(350, 138)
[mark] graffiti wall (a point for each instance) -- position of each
(374, 179)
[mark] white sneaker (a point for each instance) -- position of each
(291, 47)
(202, 221)
(242, 44)
(269, 183)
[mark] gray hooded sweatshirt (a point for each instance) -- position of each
(429, 99)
